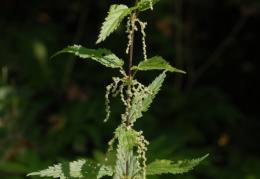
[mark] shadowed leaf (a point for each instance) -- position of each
(166, 166)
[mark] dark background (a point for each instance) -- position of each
(53, 110)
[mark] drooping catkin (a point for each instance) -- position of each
(143, 25)
(151, 4)
(141, 150)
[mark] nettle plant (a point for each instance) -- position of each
(131, 144)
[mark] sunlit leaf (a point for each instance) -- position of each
(156, 63)
(120, 168)
(76, 169)
(103, 56)
(115, 16)
(126, 138)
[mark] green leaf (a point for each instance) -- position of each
(103, 56)
(145, 4)
(120, 168)
(76, 169)
(126, 138)
(115, 16)
(156, 63)
(166, 166)
(154, 88)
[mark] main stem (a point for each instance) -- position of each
(130, 71)
(133, 16)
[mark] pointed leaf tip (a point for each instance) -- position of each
(166, 166)
(145, 4)
(140, 105)
(103, 56)
(156, 63)
(115, 16)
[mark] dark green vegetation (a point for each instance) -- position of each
(53, 110)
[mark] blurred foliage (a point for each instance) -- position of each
(53, 110)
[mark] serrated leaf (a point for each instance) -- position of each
(154, 88)
(76, 169)
(166, 166)
(156, 63)
(103, 56)
(145, 4)
(120, 168)
(126, 138)
(115, 16)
